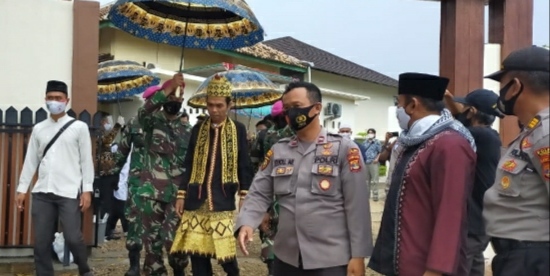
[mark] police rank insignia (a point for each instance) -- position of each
(505, 182)
(534, 122)
(267, 159)
(354, 160)
(509, 165)
(324, 184)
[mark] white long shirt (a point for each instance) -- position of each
(68, 165)
(122, 192)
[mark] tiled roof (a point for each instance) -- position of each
(260, 50)
(104, 11)
(325, 61)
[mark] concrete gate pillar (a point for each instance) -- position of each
(462, 42)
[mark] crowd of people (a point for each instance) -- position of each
(450, 190)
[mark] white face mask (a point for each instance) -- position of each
(108, 126)
(370, 136)
(56, 107)
(403, 118)
(346, 135)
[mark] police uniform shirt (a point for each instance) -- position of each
(324, 214)
(517, 205)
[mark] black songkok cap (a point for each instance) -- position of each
(422, 85)
(56, 86)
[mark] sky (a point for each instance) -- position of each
(389, 36)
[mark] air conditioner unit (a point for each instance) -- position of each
(333, 110)
(328, 109)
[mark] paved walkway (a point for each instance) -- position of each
(110, 259)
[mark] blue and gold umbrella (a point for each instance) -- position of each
(118, 79)
(249, 89)
(203, 24)
(255, 112)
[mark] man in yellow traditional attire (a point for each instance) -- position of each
(216, 167)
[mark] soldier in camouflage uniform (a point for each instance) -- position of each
(166, 141)
(265, 140)
(184, 117)
(132, 143)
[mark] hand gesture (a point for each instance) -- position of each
(388, 136)
(265, 223)
(85, 201)
(246, 234)
(448, 94)
(356, 267)
(20, 200)
(179, 206)
(120, 120)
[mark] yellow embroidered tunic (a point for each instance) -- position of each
(217, 166)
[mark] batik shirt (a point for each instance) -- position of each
(372, 149)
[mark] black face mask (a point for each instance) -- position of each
(507, 106)
(463, 118)
(172, 108)
(298, 118)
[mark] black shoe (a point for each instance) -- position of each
(111, 237)
(269, 267)
(179, 272)
(134, 263)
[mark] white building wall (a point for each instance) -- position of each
(491, 64)
(362, 115)
(37, 46)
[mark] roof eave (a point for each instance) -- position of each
(356, 78)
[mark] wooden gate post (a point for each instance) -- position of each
(461, 44)
(84, 80)
(511, 26)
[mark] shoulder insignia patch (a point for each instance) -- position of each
(267, 159)
(544, 155)
(546, 170)
(354, 160)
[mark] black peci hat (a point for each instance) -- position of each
(56, 86)
(423, 85)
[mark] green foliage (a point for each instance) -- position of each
(382, 170)
(362, 134)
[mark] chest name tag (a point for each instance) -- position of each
(326, 160)
(283, 162)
